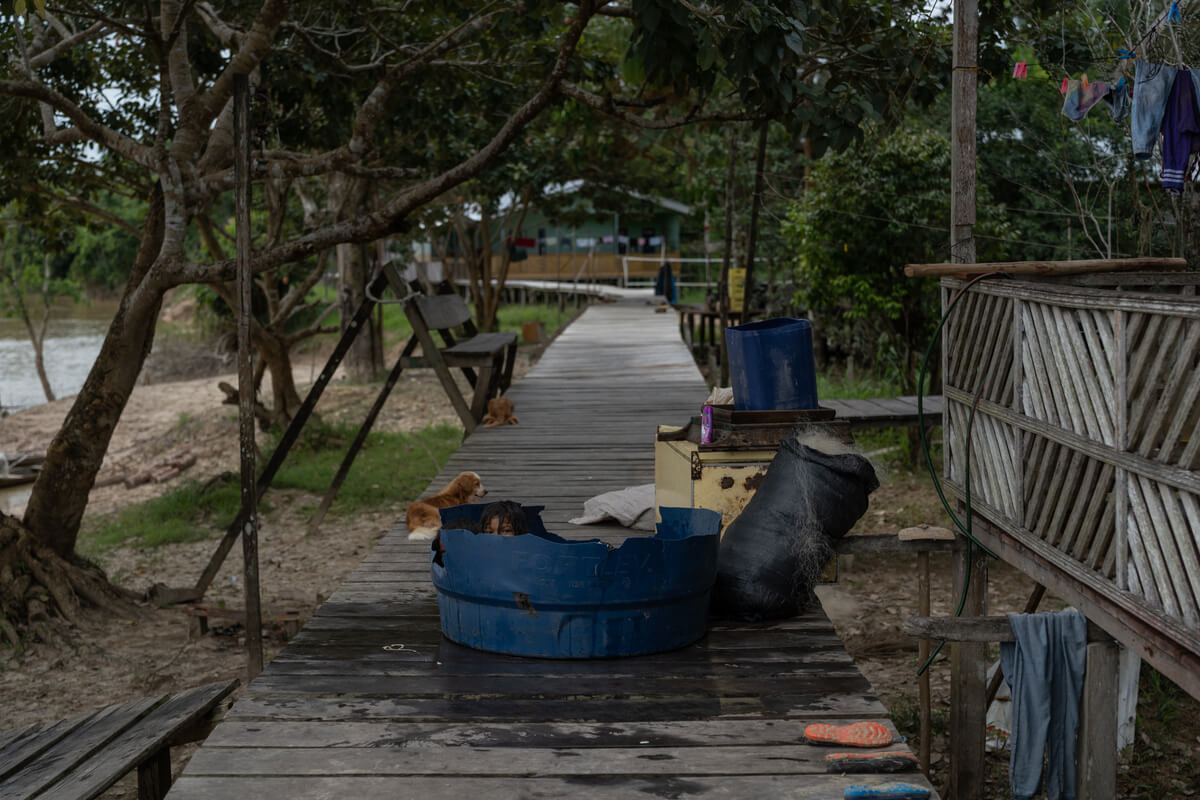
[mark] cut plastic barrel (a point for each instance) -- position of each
(542, 595)
(771, 365)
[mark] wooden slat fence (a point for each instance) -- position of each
(1085, 444)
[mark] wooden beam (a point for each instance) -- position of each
(968, 676)
(1045, 267)
(976, 629)
(1096, 752)
(248, 448)
(963, 103)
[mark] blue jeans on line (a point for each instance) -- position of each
(1151, 89)
(1044, 668)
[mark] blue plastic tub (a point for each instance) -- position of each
(542, 595)
(771, 365)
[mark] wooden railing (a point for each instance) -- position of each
(1078, 401)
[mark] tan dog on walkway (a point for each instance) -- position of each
(422, 517)
(500, 412)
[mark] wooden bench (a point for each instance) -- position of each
(83, 756)
(485, 358)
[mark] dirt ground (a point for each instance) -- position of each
(104, 660)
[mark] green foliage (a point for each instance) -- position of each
(865, 214)
(392, 469)
(190, 513)
(511, 317)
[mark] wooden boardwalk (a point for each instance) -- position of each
(369, 701)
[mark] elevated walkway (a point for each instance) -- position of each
(369, 701)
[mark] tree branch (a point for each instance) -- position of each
(122, 145)
(609, 106)
(372, 106)
(285, 164)
(51, 53)
(79, 204)
(253, 48)
(388, 218)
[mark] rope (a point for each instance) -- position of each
(367, 291)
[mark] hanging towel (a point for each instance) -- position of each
(1044, 667)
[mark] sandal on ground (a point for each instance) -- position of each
(856, 734)
(893, 790)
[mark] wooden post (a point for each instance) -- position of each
(1096, 762)
(962, 135)
(249, 515)
(968, 674)
(923, 656)
(726, 263)
(755, 205)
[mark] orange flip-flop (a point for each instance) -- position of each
(856, 734)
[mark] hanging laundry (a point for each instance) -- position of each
(1044, 667)
(1164, 102)
(1080, 99)
(1180, 131)
(1021, 70)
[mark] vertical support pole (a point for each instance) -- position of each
(154, 775)
(1096, 772)
(249, 515)
(755, 205)
(727, 261)
(968, 674)
(962, 138)
(923, 656)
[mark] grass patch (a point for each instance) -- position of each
(188, 513)
(391, 468)
(512, 317)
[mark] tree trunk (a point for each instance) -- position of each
(275, 352)
(60, 493)
(37, 585)
(39, 339)
(355, 269)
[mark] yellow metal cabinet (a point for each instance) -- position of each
(721, 480)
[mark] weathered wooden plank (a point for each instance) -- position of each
(168, 723)
(1096, 775)
(838, 703)
(697, 762)
(808, 663)
(762, 787)
(831, 678)
(717, 640)
(66, 754)
(517, 735)
(20, 751)
(11, 736)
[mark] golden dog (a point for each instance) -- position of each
(422, 517)
(500, 412)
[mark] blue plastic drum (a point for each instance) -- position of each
(542, 595)
(771, 365)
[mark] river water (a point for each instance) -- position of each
(72, 343)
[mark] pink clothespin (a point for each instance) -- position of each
(1020, 70)
(1063, 88)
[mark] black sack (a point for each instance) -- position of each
(772, 554)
